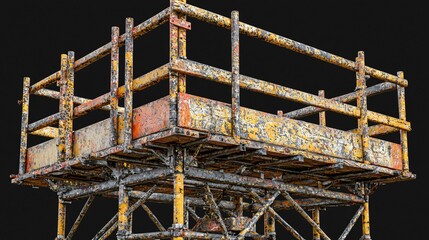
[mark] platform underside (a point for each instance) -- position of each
(288, 150)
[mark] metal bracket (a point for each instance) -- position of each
(180, 23)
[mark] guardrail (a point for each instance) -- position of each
(179, 67)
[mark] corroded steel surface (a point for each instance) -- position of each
(204, 114)
(222, 76)
(281, 41)
(226, 161)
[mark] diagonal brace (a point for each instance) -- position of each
(258, 214)
(109, 231)
(351, 223)
(214, 208)
(305, 215)
(282, 222)
(112, 223)
(141, 200)
(193, 214)
(80, 217)
(153, 218)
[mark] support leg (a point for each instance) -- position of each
(179, 193)
(316, 218)
(269, 226)
(177, 50)
(24, 125)
(61, 228)
(402, 116)
(365, 221)
(123, 220)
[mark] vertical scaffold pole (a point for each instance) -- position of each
(177, 82)
(61, 227)
(235, 73)
(123, 219)
(366, 235)
(182, 50)
(24, 125)
(128, 98)
(114, 82)
(362, 104)
(179, 191)
(403, 133)
(68, 108)
(63, 121)
(269, 226)
(315, 214)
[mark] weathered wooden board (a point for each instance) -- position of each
(209, 115)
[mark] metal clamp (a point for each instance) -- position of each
(180, 23)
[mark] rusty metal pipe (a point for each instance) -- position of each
(112, 222)
(362, 104)
(62, 133)
(178, 156)
(68, 106)
(210, 201)
(76, 100)
(249, 30)
(258, 214)
(201, 235)
(253, 182)
(109, 231)
(24, 125)
(140, 83)
(351, 223)
(370, 91)
(302, 212)
(282, 222)
(123, 216)
(403, 134)
(61, 222)
(219, 75)
(153, 218)
(141, 200)
(80, 217)
(140, 178)
(235, 75)
(128, 97)
(150, 235)
(378, 129)
(49, 132)
(230, 205)
(114, 83)
(104, 50)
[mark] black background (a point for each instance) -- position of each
(34, 34)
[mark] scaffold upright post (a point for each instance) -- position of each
(366, 234)
(123, 217)
(68, 108)
(62, 128)
(128, 98)
(362, 105)
(403, 116)
(178, 191)
(114, 83)
(235, 75)
(24, 124)
(61, 224)
(177, 81)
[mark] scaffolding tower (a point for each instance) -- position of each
(237, 165)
